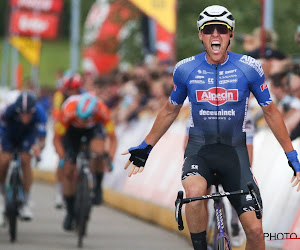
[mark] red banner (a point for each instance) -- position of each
(28, 24)
(102, 30)
(97, 61)
(38, 5)
(165, 43)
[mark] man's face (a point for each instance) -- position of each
(215, 38)
(295, 85)
(25, 118)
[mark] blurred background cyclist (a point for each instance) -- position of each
(83, 115)
(23, 125)
(71, 84)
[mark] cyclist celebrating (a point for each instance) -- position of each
(217, 83)
(24, 129)
(82, 115)
(71, 85)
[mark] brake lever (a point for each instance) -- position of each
(254, 198)
(178, 207)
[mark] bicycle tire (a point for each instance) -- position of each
(223, 244)
(12, 206)
(83, 207)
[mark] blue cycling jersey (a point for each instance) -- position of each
(11, 123)
(219, 95)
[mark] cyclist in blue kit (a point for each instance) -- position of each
(217, 83)
(23, 125)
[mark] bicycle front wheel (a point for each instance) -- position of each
(12, 211)
(83, 207)
(223, 244)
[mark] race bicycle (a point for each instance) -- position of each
(222, 239)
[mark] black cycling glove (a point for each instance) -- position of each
(139, 154)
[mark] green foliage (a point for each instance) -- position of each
(54, 56)
(247, 15)
(285, 23)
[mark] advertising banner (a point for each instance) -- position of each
(102, 35)
(163, 11)
(29, 47)
(165, 43)
(41, 25)
(292, 241)
(38, 5)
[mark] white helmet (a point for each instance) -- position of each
(215, 13)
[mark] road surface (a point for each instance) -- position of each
(108, 229)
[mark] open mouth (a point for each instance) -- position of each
(216, 46)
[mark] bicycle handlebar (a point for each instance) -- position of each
(180, 201)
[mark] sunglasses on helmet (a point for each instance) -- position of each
(209, 28)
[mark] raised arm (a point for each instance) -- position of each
(276, 124)
(163, 121)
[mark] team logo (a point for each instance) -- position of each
(217, 96)
(194, 167)
(252, 63)
(263, 86)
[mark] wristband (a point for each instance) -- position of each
(293, 160)
(143, 145)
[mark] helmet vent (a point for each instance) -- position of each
(200, 17)
(230, 17)
(210, 15)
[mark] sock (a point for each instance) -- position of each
(26, 197)
(98, 180)
(2, 188)
(199, 240)
(234, 217)
(234, 222)
(59, 188)
(70, 204)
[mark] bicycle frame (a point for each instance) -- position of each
(218, 208)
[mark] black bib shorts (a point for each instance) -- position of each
(227, 164)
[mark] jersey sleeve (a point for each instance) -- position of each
(64, 118)
(41, 124)
(8, 112)
(179, 92)
(58, 99)
(103, 115)
(256, 78)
